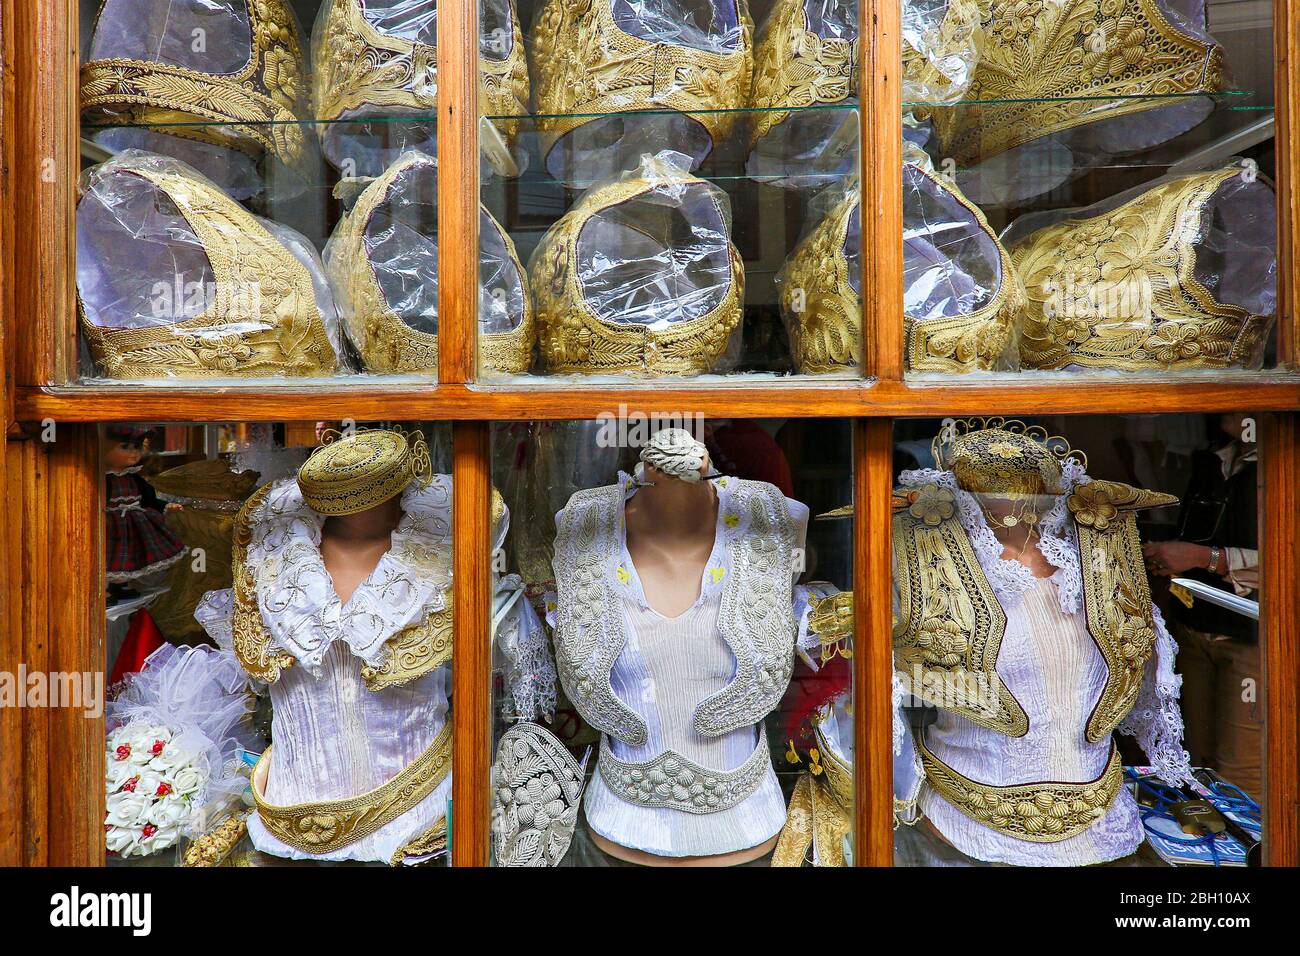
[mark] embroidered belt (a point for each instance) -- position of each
(333, 824)
(670, 780)
(1037, 812)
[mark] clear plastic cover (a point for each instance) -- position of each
(940, 50)
(159, 245)
(620, 78)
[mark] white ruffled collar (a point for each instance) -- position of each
(295, 593)
(1010, 579)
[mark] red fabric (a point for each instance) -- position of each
(137, 541)
(142, 639)
(809, 692)
(744, 448)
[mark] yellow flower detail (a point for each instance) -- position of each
(716, 574)
(731, 520)
(623, 576)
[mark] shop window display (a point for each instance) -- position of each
(701, 652)
(1074, 665)
(309, 720)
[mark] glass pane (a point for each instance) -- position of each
(281, 586)
(1088, 187)
(259, 195)
(695, 596)
(671, 193)
(1076, 641)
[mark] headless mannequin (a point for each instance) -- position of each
(671, 527)
(351, 545)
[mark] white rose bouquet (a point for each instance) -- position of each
(171, 749)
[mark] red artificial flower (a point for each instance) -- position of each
(163, 789)
(148, 830)
(157, 747)
(129, 786)
(123, 751)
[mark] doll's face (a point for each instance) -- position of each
(119, 455)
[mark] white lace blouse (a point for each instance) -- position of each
(1052, 666)
(333, 737)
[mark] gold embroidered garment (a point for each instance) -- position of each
(1047, 66)
(387, 340)
(259, 107)
(977, 338)
(1037, 812)
(262, 317)
(585, 65)
(361, 70)
(576, 337)
(1120, 290)
(795, 68)
(820, 815)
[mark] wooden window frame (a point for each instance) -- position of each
(52, 530)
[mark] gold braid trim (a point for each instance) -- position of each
(385, 341)
(796, 837)
(330, 825)
(950, 625)
(575, 339)
(821, 308)
(1037, 812)
(413, 652)
(213, 847)
(250, 267)
(794, 68)
(251, 639)
(974, 342)
(358, 66)
(820, 812)
(585, 65)
(1119, 290)
(432, 840)
(1049, 65)
(1117, 594)
(260, 104)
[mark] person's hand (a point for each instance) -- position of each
(1167, 558)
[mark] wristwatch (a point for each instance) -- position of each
(1215, 554)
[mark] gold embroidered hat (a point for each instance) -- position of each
(616, 79)
(1064, 82)
(349, 474)
(639, 277)
(376, 77)
(1002, 458)
(383, 263)
(176, 279)
(1181, 276)
(223, 72)
(806, 91)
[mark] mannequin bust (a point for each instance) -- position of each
(351, 545)
(671, 532)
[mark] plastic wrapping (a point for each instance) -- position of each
(383, 264)
(1061, 88)
(940, 51)
(174, 279)
(376, 78)
(805, 130)
(1180, 273)
(640, 276)
(220, 81)
(961, 297)
(662, 74)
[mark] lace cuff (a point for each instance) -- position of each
(215, 611)
(1156, 720)
(807, 643)
(908, 775)
(521, 641)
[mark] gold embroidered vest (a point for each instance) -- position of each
(978, 340)
(358, 67)
(950, 625)
(585, 64)
(575, 338)
(794, 68)
(259, 107)
(263, 319)
(385, 340)
(1047, 66)
(1119, 291)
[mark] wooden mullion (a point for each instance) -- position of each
(1280, 635)
(1286, 89)
(880, 77)
(472, 657)
(75, 559)
(873, 658)
(458, 284)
